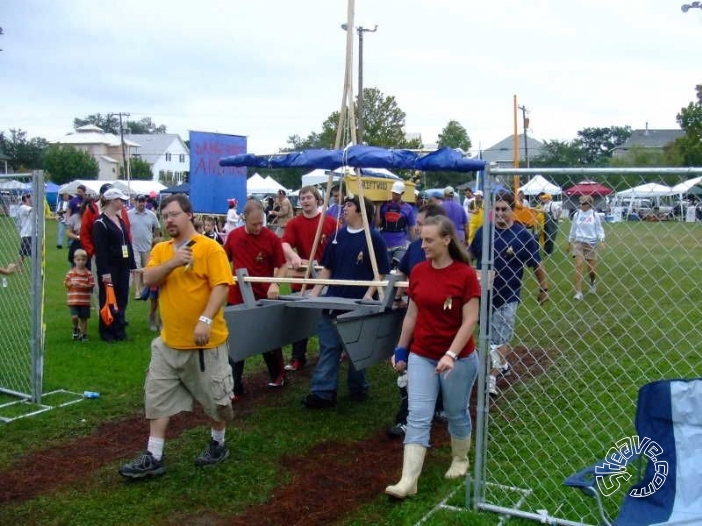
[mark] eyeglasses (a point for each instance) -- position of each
(502, 208)
(167, 215)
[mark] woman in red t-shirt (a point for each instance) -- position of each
(438, 332)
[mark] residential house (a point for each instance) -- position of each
(105, 148)
(502, 153)
(3, 159)
(653, 141)
(167, 154)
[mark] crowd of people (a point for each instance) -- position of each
(436, 244)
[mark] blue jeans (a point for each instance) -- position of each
(325, 379)
(423, 386)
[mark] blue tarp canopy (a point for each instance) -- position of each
(359, 156)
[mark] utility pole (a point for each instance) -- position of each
(125, 162)
(360, 31)
(525, 120)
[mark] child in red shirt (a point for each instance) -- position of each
(79, 283)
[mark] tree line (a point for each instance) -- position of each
(384, 126)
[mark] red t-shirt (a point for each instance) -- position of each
(260, 255)
(439, 295)
(300, 232)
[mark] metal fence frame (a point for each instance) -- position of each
(31, 391)
(479, 479)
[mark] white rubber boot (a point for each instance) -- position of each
(459, 452)
(411, 469)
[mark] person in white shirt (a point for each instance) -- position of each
(552, 213)
(61, 215)
(144, 226)
(586, 233)
(25, 220)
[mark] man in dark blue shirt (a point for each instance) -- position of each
(347, 258)
(513, 248)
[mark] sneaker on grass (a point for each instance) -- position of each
(143, 466)
(295, 365)
(578, 296)
(278, 382)
(593, 287)
(213, 454)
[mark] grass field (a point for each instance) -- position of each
(565, 413)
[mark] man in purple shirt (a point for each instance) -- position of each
(456, 213)
(396, 221)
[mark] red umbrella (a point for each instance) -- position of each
(588, 188)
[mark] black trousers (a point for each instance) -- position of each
(120, 282)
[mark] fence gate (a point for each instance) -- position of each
(21, 293)
(577, 363)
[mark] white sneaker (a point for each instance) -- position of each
(578, 296)
(492, 385)
(593, 288)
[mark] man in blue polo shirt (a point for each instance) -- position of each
(514, 247)
(396, 220)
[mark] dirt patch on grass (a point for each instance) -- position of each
(327, 483)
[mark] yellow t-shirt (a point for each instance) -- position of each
(184, 293)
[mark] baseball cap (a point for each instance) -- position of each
(232, 202)
(449, 190)
(114, 193)
(423, 195)
(478, 193)
(585, 199)
(141, 197)
(398, 187)
(104, 188)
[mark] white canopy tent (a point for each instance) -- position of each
(539, 184)
(647, 190)
(684, 187)
(134, 188)
(318, 176)
(91, 186)
(256, 184)
(14, 185)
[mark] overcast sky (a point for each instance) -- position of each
(269, 69)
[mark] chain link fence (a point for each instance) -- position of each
(21, 291)
(577, 364)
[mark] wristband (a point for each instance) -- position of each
(401, 354)
(205, 319)
(451, 355)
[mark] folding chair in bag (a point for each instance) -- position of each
(669, 426)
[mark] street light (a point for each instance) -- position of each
(359, 117)
(694, 5)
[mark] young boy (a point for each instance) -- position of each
(210, 230)
(79, 283)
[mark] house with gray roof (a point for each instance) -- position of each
(648, 140)
(167, 154)
(502, 153)
(105, 148)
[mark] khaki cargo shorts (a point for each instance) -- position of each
(175, 378)
(585, 250)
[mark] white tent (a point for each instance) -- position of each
(14, 185)
(91, 186)
(684, 187)
(647, 190)
(539, 184)
(318, 176)
(135, 188)
(256, 184)
(275, 183)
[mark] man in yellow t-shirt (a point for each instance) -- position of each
(189, 360)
